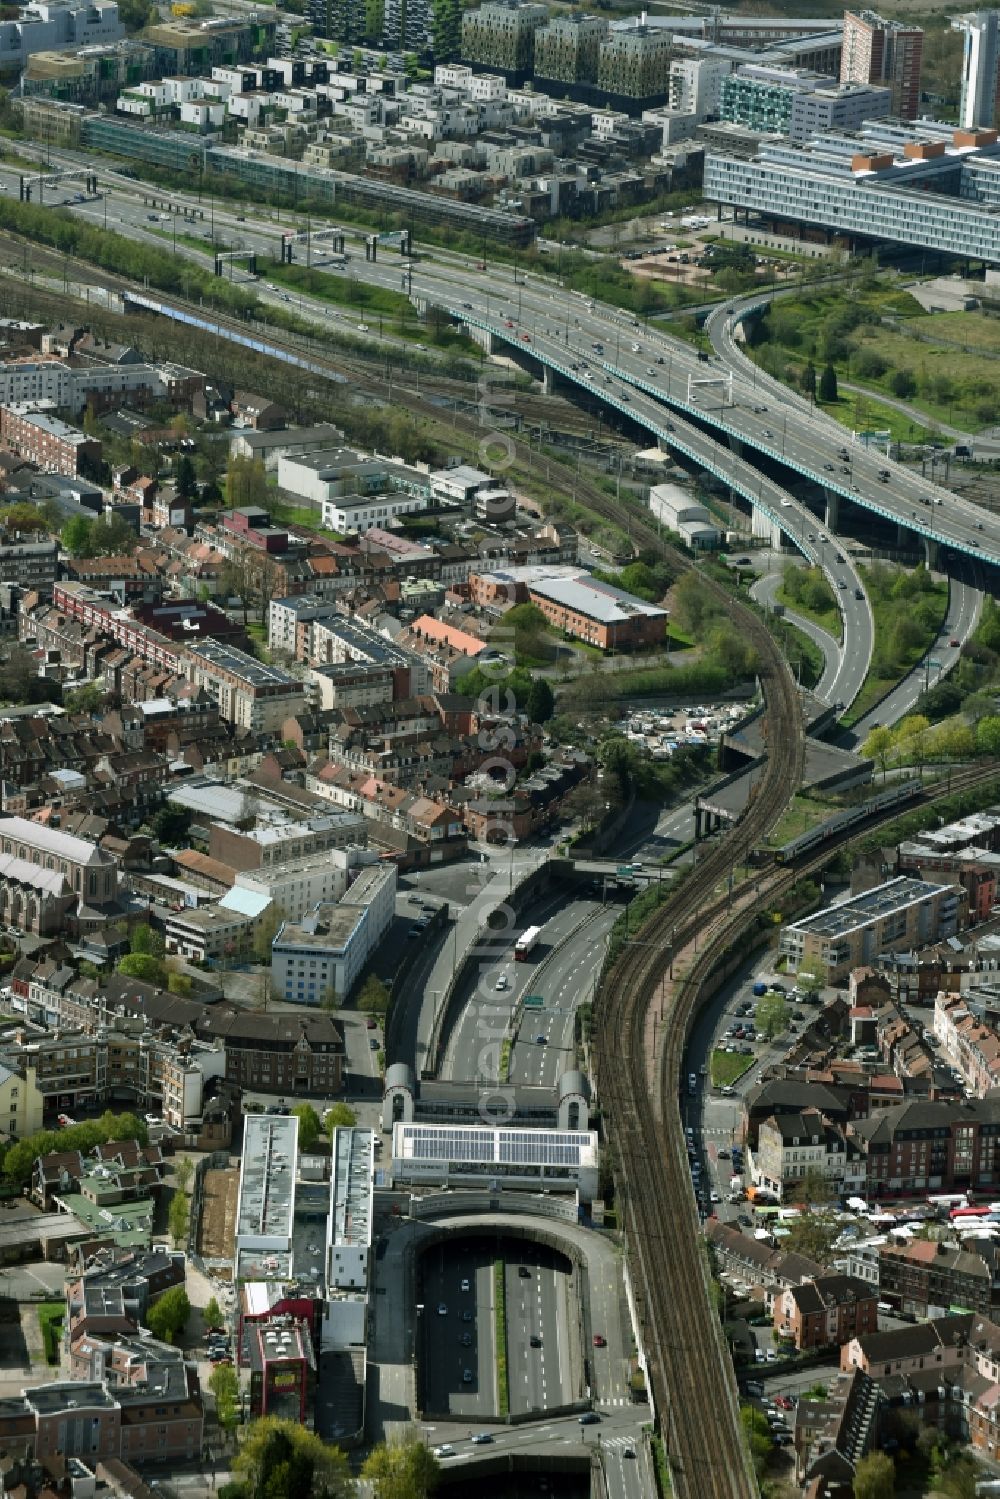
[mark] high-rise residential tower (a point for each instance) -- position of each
(979, 67)
(884, 52)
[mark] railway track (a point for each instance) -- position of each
(689, 1368)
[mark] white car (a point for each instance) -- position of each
(445, 1450)
(502, 981)
(442, 1309)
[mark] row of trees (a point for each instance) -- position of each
(914, 741)
(282, 1460)
(19, 1160)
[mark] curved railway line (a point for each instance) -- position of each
(688, 1365)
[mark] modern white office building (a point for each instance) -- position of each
(979, 67)
(326, 952)
(468, 1155)
(926, 186)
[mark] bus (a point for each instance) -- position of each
(967, 1212)
(526, 943)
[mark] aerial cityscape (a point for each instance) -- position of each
(499, 750)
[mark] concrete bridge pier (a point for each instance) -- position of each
(548, 381)
(762, 525)
(483, 337)
(832, 514)
(931, 553)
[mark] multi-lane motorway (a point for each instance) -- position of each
(782, 425)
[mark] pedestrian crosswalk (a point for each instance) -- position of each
(615, 1400)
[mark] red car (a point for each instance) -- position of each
(783, 1403)
(526, 338)
(600, 1341)
(507, 323)
(954, 640)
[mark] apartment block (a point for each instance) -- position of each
(349, 1237)
(925, 1277)
(900, 914)
(29, 562)
(50, 444)
(980, 59)
(696, 85)
(884, 52)
(826, 1312)
(249, 693)
(21, 1101)
(567, 49)
(501, 36)
(792, 1147)
(635, 64)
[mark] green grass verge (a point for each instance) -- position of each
(660, 1466)
(884, 673)
(827, 619)
(727, 1067)
(51, 1315)
(500, 1312)
(802, 813)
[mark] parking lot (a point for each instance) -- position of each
(713, 1113)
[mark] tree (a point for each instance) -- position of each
(213, 1314)
(266, 931)
(772, 1015)
(171, 824)
(810, 983)
(146, 942)
(246, 482)
(179, 1217)
(878, 746)
(282, 1460)
(309, 1125)
(807, 380)
(813, 1189)
(145, 967)
(169, 1315)
(812, 1234)
(541, 701)
(225, 1387)
(374, 996)
(911, 737)
(988, 735)
(185, 478)
(86, 699)
(339, 1116)
(183, 1171)
(902, 383)
(828, 384)
(691, 603)
(875, 1477)
(75, 536)
(403, 1469)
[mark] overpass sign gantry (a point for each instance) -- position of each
(726, 381)
(88, 175)
(333, 237)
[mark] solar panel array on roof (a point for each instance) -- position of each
(469, 1145)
